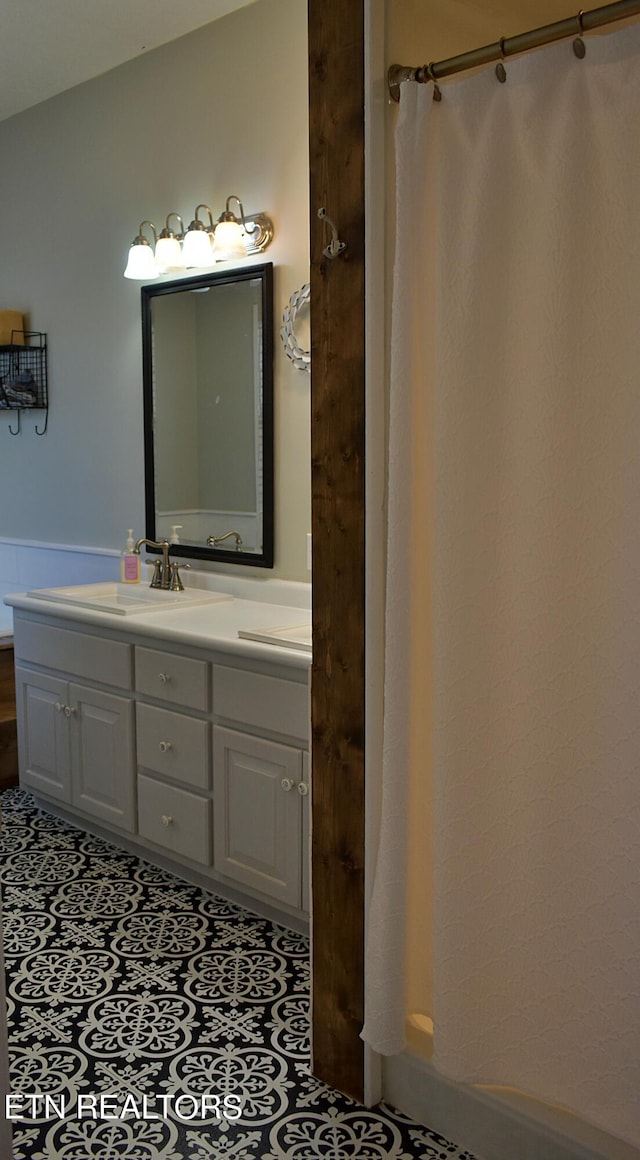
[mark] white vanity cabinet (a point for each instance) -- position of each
(76, 739)
(101, 735)
(174, 753)
(258, 834)
(192, 754)
(43, 733)
(261, 784)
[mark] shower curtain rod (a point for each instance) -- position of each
(510, 45)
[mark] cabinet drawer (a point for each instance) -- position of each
(175, 819)
(261, 701)
(92, 657)
(181, 680)
(174, 745)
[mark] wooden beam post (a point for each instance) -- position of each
(336, 113)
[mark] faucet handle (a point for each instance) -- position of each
(156, 579)
(176, 579)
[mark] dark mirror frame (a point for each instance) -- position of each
(264, 272)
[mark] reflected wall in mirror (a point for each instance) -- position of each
(208, 414)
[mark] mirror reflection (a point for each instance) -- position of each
(208, 391)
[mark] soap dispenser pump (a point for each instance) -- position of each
(130, 562)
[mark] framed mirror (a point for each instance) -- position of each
(207, 344)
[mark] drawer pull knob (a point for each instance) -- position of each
(166, 819)
(164, 678)
(165, 746)
(69, 711)
(303, 788)
(287, 783)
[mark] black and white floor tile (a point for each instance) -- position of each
(156, 1021)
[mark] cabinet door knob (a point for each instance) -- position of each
(69, 711)
(59, 707)
(287, 783)
(166, 819)
(164, 677)
(165, 746)
(303, 788)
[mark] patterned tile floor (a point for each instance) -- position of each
(156, 1021)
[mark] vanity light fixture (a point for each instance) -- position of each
(141, 264)
(200, 246)
(198, 241)
(235, 239)
(169, 246)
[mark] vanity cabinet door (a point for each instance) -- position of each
(102, 755)
(257, 814)
(43, 733)
(306, 831)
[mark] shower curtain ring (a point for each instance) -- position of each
(501, 71)
(579, 46)
(429, 70)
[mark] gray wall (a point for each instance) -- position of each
(220, 111)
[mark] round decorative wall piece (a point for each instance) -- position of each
(300, 358)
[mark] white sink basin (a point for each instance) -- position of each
(293, 636)
(125, 599)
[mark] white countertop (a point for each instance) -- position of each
(202, 626)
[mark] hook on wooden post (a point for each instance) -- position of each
(335, 246)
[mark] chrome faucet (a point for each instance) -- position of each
(162, 569)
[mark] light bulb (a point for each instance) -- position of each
(169, 254)
(141, 265)
(197, 250)
(228, 243)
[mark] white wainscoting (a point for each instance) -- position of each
(28, 564)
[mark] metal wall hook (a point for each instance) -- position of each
(17, 430)
(335, 247)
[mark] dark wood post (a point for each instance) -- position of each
(336, 109)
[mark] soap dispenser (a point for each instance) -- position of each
(175, 538)
(130, 562)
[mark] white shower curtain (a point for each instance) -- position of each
(516, 381)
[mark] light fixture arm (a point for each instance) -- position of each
(167, 232)
(140, 240)
(196, 224)
(228, 216)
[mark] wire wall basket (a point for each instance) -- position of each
(23, 377)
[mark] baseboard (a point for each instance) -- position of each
(491, 1126)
